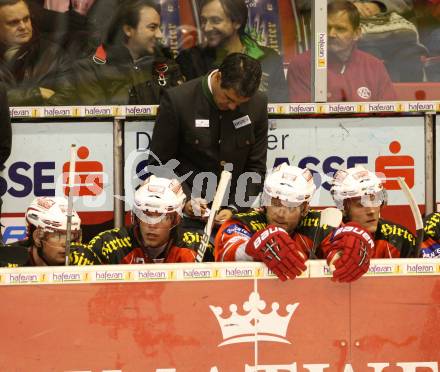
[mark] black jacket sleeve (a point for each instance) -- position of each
(257, 158)
(164, 150)
(5, 128)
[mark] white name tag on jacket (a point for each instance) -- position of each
(241, 122)
(202, 123)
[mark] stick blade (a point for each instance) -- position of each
(412, 203)
(331, 217)
(416, 214)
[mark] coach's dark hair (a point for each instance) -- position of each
(345, 6)
(127, 13)
(236, 10)
(241, 73)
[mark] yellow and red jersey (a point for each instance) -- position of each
(430, 247)
(393, 241)
(121, 246)
(234, 234)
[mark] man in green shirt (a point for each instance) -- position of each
(223, 25)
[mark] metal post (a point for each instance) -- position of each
(430, 202)
(319, 51)
(195, 10)
(118, 171)
(299, 41)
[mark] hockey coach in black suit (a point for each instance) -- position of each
(215, 122)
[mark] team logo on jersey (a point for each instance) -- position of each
(364, 92)
(237, 229)
(431, 252)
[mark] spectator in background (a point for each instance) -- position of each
(131, 67)
(5, 137)
(389, 36)
(352, 75)
(80, 6)
(223, 24)
(30, 66)
(392, 38)
(78, 26)
(66, 23)
(428, 22)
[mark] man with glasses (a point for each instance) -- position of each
(224, 26)
(360, 195)
(283, 233)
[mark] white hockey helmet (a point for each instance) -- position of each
(357, 182)
(161, 195)
(290, 184)
(50, 215)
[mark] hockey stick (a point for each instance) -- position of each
(70, 201)
(415, 212)
(218, 198)
(330, 217)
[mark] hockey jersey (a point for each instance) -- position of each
(235, 233)
(121, 246)
(430, 246)
(393, 241)
(18, 254)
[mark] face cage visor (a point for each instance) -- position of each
(373, 200)
(269, 201)
(60, 237)
(154, 218)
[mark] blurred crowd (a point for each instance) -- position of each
(91, 52)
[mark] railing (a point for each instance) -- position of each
(280, 115)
